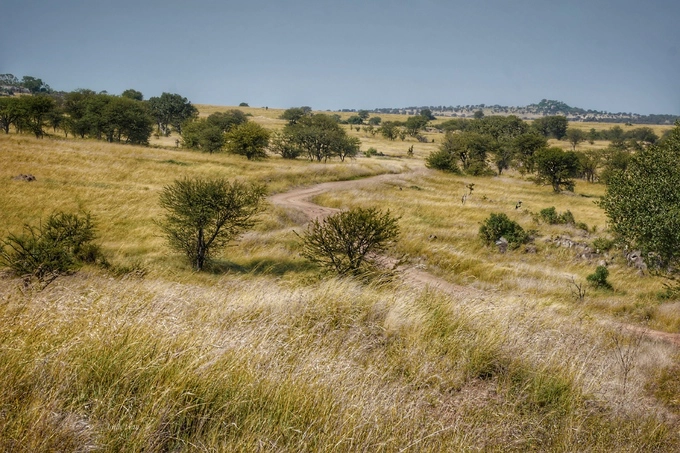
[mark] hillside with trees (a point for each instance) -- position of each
(180, 277)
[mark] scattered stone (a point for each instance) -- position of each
(22, 177)
(432, 237)
(502, 244)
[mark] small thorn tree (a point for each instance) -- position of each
(346, 242)
(204, 215)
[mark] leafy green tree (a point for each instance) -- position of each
(294, 114)
(284, 146)
(503, 156)
(643, 201)
(355, 119)
(554, 126)
(479, 114)
(204, 215)
(500, 128)
(319, 136)
(414, 124)
(589, 162)
(374, 121)
(427, 114)
(34, 113)
(10, 112)
(442, 160)
(125, 118)
(133, 94)
(248, 139)
(363, 114)
(645, 135)
(226, 121)
(470, 148)
(349, 147)
(614, 160)
(575, 137)
(171, 110)
(346, 242)
(34, 85)
(390, 130)
(557, 168)
(525, 147)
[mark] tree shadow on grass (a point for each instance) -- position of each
(261, 266)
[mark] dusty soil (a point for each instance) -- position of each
(299, 199)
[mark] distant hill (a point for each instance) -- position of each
(544, 108)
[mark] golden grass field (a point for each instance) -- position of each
(265, 354)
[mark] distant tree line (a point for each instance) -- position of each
(473, 146)
(86, 114)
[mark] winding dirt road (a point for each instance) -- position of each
(299, 199)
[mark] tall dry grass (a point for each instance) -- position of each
(248, 364)
(263, 354)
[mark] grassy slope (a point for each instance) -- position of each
(263, 355)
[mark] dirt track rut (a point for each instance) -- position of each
(299, 199)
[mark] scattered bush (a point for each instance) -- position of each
(442, 160)
(599, 278)
(603, 244)
(550, 216)
(346, 242)
(499, 225)
(207, 214)
(372, 152)
(59, 246)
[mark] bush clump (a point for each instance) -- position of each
(442, 160)
(552, 217)
(58, 246)
(603, 244)
(599, 278)
(499, 225)
(348, 241)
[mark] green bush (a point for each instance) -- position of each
(442, 160)
(499, 225)
(603, 244)
(60, 245)
(345, 242)
(549, 215)
(552, 217)
(599, 278)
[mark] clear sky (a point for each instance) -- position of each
(619, 56)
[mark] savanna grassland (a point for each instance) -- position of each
(494, 352)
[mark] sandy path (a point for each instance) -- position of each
(299, 199)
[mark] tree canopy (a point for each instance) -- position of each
(642, 201)
(171, 110)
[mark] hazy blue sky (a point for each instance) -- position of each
(600, 54)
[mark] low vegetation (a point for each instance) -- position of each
(464, 348)
(347, 242)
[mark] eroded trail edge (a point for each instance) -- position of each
(300, 200)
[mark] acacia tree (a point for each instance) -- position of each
(203, 215)
(557, 168)
(345, 242)
(554, 126)
(575, 137)
(643, 200)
